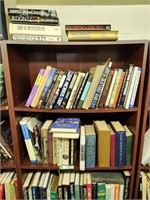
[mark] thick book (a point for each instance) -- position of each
(33, 29)
(27, 138)
(38, 93)
(35, 185)
(129, 145)
(32, 19)
(32, 12)
(37, 38)
(90, 146)
(87, 35)
(64, 89)
(94, 84)
(101, 191)
(35, 87)
(103, 143)
(3, 27)
(66, 125)
(81, 27)
(120, 143)
(102, 81)
(44, 140)
(82, 148)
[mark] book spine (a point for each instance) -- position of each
(32, 12)
(66, 98)
(50, 147)
(129, 142)
(37, 95)
(106, 89)
(3, 26)
(54, 150)
(46, 87)
(35, 87)
(49, 94)
(57, 91)
(81, 90)
(64, 89)
(75, 90)
(94, 190)
(82, 149)
(120, 149)
(85, 91)
(88, 27)
(36, 38)
(130, 89)
(28, 142)
(125, 87)
(34, 19)
(112, 152)
(114, 90)
(72, 151)
(92, 35)
(65, 152)
(126, 186)
(59, 151)
(34, 29)
(100, 87)
(134, 92)
(90, 149)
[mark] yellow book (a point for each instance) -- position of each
(93, 35)
(103, 135)
(41, 87)
(93, 87)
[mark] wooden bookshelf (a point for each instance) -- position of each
(22, 62)
(144, 125)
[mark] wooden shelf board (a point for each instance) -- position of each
(9, 164)
(145, 167)
(21, 107)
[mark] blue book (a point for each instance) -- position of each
(90, 146)
(27, 138)
(35, 186)
(64, 89)
(120, 143)
(66, 125)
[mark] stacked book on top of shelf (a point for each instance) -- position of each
(101, 86)
(34, 24)
(3, 96)
(91, 32)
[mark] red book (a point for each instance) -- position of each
(89, 187)
(112, 147)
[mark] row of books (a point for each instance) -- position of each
(8, 184)
(101, 86)
(91, 32)
(3, 96)
(100, 143)
(6, 148)
(144, 188)
(34, 24)
(76, 185)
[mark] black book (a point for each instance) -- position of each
(3, 27)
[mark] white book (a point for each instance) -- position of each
(112, 191)
(37, 38)
(82, 148)
(144, 178)
(49, 187)
(146, 148)
(111, 87)
(130, 88)
(121, 192)
(108, 191)
(31, 29)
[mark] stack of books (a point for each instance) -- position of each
(91, 32)
(3, 96)
(101, 86)
(6, 150)
(34, 24)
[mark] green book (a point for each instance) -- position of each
(129, 141)
(101, 191)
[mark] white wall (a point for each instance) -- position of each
(133, 22)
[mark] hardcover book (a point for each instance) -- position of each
(120, 143)
(103, 143)
(78, 27)
(90, 146)
(82, 148)
(3, 27)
